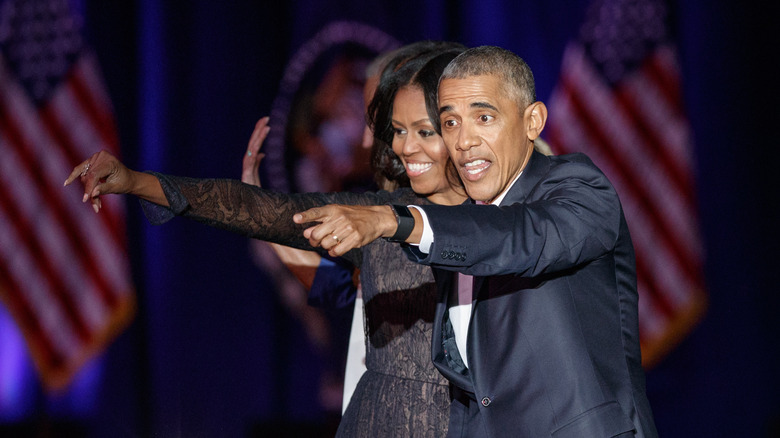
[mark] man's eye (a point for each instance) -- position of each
(450, 123)
(484, 118)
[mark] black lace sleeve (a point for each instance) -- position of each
(249, 210)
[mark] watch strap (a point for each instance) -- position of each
(405, 222)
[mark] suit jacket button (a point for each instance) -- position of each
(485, 401)
(444, 255)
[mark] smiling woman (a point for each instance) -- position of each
(420, 148)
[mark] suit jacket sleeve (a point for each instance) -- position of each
(563, 218)
(333, 287)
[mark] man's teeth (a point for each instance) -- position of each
(473, 167)
(419, 167)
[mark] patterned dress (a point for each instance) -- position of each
(401, 394)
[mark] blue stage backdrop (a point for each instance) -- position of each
(212, 351)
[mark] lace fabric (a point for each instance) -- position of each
(402, 394)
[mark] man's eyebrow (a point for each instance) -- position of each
(483, 105)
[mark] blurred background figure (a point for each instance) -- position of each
(325, 130)
(324, 150)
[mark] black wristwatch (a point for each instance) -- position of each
(405, 222)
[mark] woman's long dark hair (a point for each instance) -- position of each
(419, 64)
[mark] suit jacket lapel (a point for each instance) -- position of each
(536, 168)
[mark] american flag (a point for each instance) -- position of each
(64, 271)
(619, 100)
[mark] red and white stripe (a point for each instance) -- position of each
(637, 134)
(64, 271)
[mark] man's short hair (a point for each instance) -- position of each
(514, 73)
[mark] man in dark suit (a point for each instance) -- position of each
(547, 341)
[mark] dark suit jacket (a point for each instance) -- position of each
(553, 346)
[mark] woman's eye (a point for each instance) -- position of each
(398, 131)
(427, 133)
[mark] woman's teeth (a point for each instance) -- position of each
(418, 167)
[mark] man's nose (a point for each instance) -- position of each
(468, 138)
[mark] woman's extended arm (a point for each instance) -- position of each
(221, 203)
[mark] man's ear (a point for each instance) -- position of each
(535, 117)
